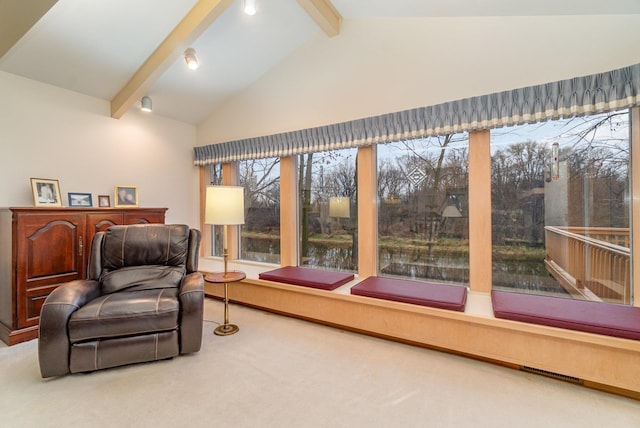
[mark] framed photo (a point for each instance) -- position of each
(104, 201)
(46, 192)
(126, 196)
(80, 200)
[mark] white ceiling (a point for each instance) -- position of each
(94, 47)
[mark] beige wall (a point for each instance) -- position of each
(378, 66)
(48, 132)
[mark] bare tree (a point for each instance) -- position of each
(431, 157)
(597, 150)
(304, 185)
(260, 183)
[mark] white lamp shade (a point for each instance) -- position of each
(340, 207)
(224, 205)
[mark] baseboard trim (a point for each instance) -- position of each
(13, 337)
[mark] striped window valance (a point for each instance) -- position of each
(578, 96)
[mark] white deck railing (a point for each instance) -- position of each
(590, 262)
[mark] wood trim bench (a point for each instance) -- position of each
(443, 296)
(593, 317)
(308, 277)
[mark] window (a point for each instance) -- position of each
(260, 234)
(328, 215)
(423, 223)
(561, 208)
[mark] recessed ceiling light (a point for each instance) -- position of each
(191, 59)
(145, 104)
(250, 7)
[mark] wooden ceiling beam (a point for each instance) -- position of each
(324, 14)
(17, 17)
(199, 18)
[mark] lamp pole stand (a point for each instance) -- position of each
(226, 329)
(225, 278)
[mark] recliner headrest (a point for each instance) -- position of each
(145, 244)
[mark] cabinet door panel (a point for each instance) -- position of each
(51, 251)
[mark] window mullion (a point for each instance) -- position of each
(367, 212)
(230, 178)
(288, 212)
(480, 211)
(635, 189)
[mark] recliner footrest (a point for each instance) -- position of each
(106, 353)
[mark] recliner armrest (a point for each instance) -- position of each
(53, 342)
(193, 255)
(191, 298)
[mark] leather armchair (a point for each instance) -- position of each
(142, 301)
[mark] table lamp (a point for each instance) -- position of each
(340, 207)
(225, 206)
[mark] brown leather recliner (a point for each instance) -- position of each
(142, 301)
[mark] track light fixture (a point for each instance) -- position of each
(145, 104)
(191, 59)
(250, 7)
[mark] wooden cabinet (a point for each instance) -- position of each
(41, 248)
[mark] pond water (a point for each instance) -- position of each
(526, 276)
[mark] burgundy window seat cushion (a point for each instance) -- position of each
(307, 277)
(593, 317)
(443, 296)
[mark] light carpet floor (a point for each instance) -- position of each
(282, 372)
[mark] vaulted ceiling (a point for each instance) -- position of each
(121, 50)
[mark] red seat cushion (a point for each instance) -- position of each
(307, 277)
(593, 317)
(443, 296)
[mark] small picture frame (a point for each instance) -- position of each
(80, 200)
(46, 192)
(125, 196)
(104, 201)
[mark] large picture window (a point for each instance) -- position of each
(260, 234)
(561, 208)
(423, 230)
(328, 216)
